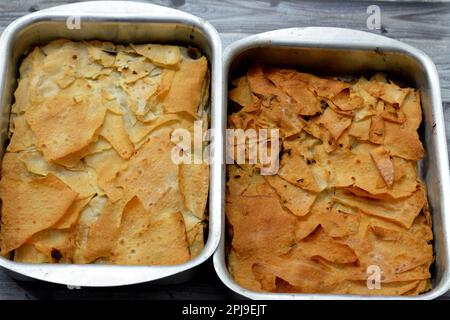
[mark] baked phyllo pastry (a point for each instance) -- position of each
(346, 212)
(88, 175)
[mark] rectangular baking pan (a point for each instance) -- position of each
(343, 52)
(118, 22)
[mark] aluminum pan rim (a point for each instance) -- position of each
(107, 275)
(292, 38)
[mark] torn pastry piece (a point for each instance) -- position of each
(186, 91)
(102, 52)
(318, 131)
(402, 141)
(258, 186)
(98, 146)
(97, 229)
(391, 112)
(320, 244)
(114, 131)
(369, 101)
(297, 200)
(165, 83)
(194, 185)
(22, 137)
(106, 165)
(302, 275)
(30, 74)
(64, 128)
(31, 206)
(195, 229)
(302, 143)
(139, 94)
(405, 175)
(384, 164)
(347, 168)
(150, 237)
(402, 211)
(340, 221)
(281, 116)
(150, 173)
(28, 253)
(398, 255)
(347, 100)
(238, 180)
(294, 169)
(388, 92)
(132, 66)
(377, 130)
(138, 130)
(260, 219)
(161, 55)
(73, 59)
(327, 88)
(80, 179)
(304, 102)
(243, 96)
(70, 218)
(265, 89)
(336, 219)
(360, 129)
(58, 244)
(336, 124)
(412, 110)
(241, 268)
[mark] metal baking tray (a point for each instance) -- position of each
(343, 52)
(119, 22)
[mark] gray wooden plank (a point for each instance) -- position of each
(424, 25)
(446, 107)
(204, 285)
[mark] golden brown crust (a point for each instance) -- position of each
(31, 206)
(64, 127)
(150, 237)
(346, 200)
(185, 92)
(194, 185)
(90, 133)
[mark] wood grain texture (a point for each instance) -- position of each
(423, 24)
(203, 285)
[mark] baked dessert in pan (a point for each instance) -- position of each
(88, 175)
(346, 212)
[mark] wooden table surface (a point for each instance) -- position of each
(424, 24)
